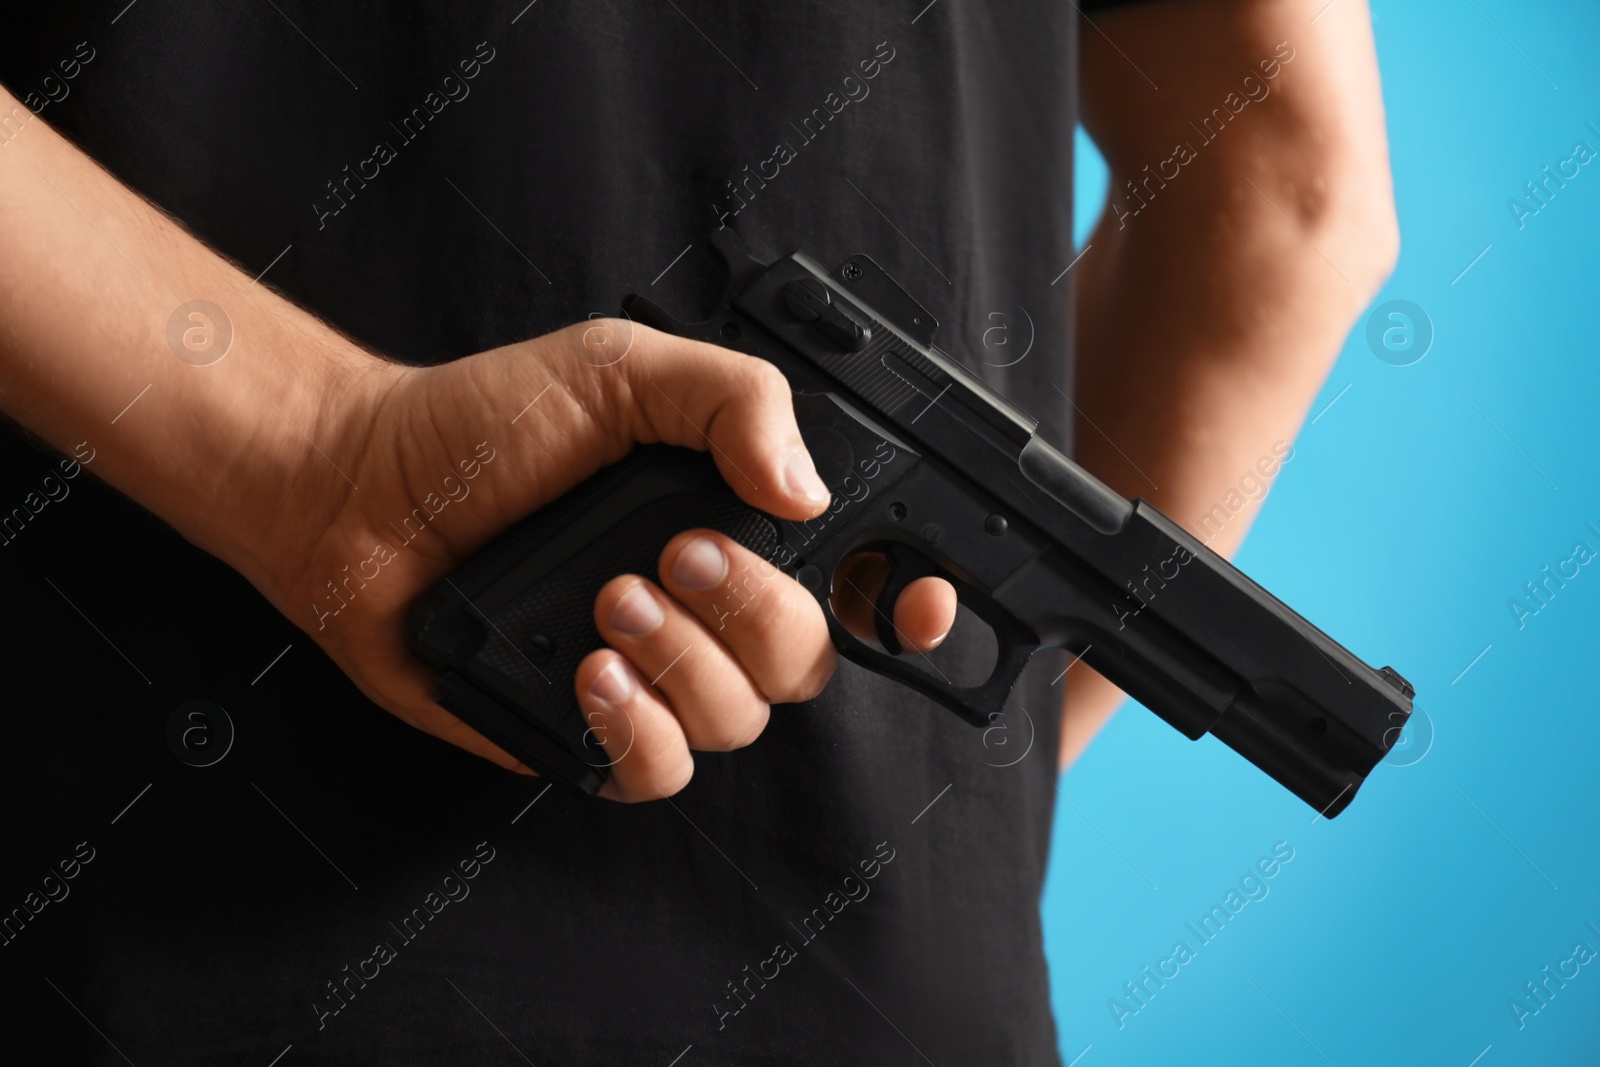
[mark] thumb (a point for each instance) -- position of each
(735, 406)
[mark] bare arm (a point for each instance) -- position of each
(89, 279)
(1218, 290)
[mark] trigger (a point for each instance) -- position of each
(905, 567)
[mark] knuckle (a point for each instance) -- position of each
(805, 685)
(766, 380)
(600, 341)
(750, 598)
(780, 637)
(610, 593)
(670, 781)
(595, 331)
(592, 663)
(732, 730)
(754, 728)
(679, 542)
(656, 768)
(816, 681)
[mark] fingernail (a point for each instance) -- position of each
(801, 480)
(613, 684)
(637, 613)
(700, 565)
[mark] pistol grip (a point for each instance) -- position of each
(508, 629)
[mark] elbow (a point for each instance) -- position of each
(1326, 204)
(1365, 227)
(1327, 172)
(1319, 147)
(1385, 244)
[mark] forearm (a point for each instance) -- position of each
(1212, 304)
(90, 278)
(1192, 382)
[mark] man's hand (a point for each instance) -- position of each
(342, 485)
(451, 455)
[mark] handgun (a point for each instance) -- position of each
(942, 475)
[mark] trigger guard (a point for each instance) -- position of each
(976, 704)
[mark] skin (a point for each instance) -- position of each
(291, 458)
(1207, 322)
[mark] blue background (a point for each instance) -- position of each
(1405, 524)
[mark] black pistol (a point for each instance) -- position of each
(944, 476)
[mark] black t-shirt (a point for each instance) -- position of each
(861, 885)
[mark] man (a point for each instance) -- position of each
(815, 875)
